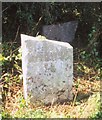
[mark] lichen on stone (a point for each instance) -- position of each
(41, 37)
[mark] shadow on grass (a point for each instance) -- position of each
(81, 96)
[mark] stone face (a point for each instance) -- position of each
(47, 69)
(61, 32)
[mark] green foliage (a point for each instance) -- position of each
(30, 114)
(28, 18)
(11, 58)
(98, 115)
(24, 111)
(91, 52)
(6, 115)
(91, 57)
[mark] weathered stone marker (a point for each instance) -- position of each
(47, 69)
(64, 32)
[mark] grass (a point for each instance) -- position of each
(85, 104)
(88, 109)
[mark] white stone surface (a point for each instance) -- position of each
(47, 69)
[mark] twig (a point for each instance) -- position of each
(76, 94)
(14, 51)
(74, 98)
(17, 33)
(37, 23)
(5, 9)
